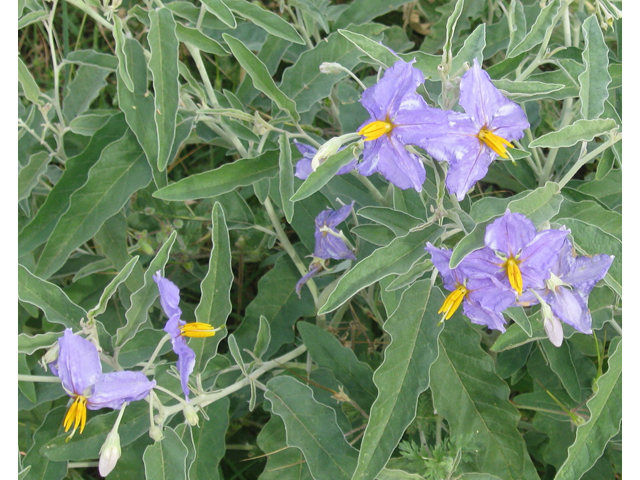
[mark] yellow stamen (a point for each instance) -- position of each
(513, 274)
(494, 142)
(76, 415)
(453, 301)
(198, 330)
(375, 130)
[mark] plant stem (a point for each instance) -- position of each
(38, 378)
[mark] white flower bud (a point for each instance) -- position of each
(109, 454)
(325, 151)
(331, 68)
(554, 330)
(191, 415)
(155, 432)
(50, 356)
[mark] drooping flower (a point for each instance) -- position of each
(399, 117)
(482, 296)
(523, 255)
(179, 329)
(304, 168)
(472, 140)
(567, 290)
(330, 242)
(79, 368)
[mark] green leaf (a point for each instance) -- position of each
(539, 205)
(223, 179)
(312, 428)
(363, 11)
(263, 339)
(42, 468)
(324, 173)
(286, 177)
(112, 287)
(517, 21)
(28, 389)
(164, 69)
(403, 375)
(220, 10)
(29, 85)
(328, 352)
(605, 409)
(283, 462)
(31, 343)
(536, 34)
(475, 401)
(143, 298)
(124, 60)
(50, 299)
(515, 336)
(92, 58)
(472, 49)
(85, 87)
(30, 174)
(517, 315)
(75, 175)
(262, 80)
(578, 131)
(262, 17)
(166, 459)
(396, 258)
(199, 40)
(593, 213)
(215, 304)
(120, 171)
(88, 124)
(376, 51)
(399, 222)
(573, 369)
(595, 79)
(524, 90)
(209, 441)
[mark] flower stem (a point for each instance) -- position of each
(616, 326)
(38, 378)
(162, 341)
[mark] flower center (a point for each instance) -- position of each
(513, 274)
(197, 330)
(374, 130)
(453, 301)
(76, 415)
(494, 142)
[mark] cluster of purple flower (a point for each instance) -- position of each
(521, 266)
(399, 116)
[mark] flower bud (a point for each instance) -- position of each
(50, 356)
(191, 415)
(155, 432)
(325, 151)
(554, 330)
(331, 68)
(109, 454)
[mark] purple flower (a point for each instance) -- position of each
(330, 242)
(522, 255)
(475, 138)
(482, 296)
(303, 167)
(399, 117)
(78, 366)
(178, 329)
(569, 285)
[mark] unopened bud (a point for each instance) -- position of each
(191, 415)
(553, 328)
(155, 432)
(325, 151)
(50, 356)
(331, 68)
(109, 454)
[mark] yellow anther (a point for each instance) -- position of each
(375, 130)
(198, 330)
(453, 301)
(76, 415)
(494, 142)
(513, 274)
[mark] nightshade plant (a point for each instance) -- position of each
(345, 240)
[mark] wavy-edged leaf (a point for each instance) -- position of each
(144, 297)
(539, 29)
(574, 370)
(312, 428)
(41, 467)
(578, 131)
(30, 174)
(323, 174)
(283, 462)
(223, 179)
(286, 177)
(595, 79)
(399, 222)
(120, 171)
(163, 64)
(220, 10)
(31, 343)
(403, 375)
(112, 287)
(209, 441)
(123, 57)
(56, 204)
(93, 58)
(85, 87)
(50, 299)
(327, 352)
(262, 17)
(396, 258)
(199, 40)
(524, 90)
(166, 459)
(262, 80)
(605, 409)
(475, 402)
(376, 51)
(363, 11)
(592, 212)
(29, 85)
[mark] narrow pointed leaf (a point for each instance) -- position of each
(578, 131)
(29, 85)
(166, 459)
(539, 29)
(312, 428)
(403, 375)
(112, 287)
(29, 176)
(209, 441)
(262, 17)
(220, 10)
(123, 60)
(283, 462)
(286, 177)
(325, 172)
(595, 79)
(199, 40)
